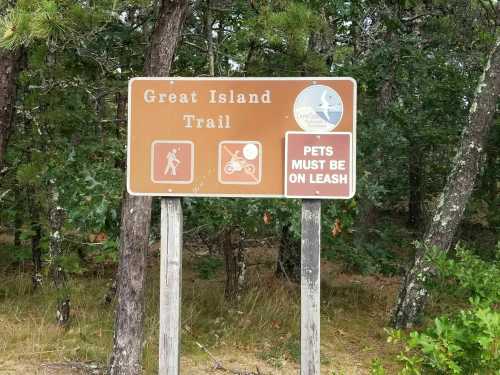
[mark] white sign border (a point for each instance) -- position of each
(352, 167)
(210, 195)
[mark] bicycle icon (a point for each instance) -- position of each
(239, 162)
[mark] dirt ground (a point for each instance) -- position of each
(232, 364)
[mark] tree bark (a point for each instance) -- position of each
(323, 42)
(134, 238)
(455, 195)
(9, 70)
(234, 256)
(36, 254)
(56, 221)
(136, 214)
(36, 250)
(288, 263)
(210, 40)
(165, 36)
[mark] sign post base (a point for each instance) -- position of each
(310, 288)
(170, 285)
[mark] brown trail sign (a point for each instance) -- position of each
(214, 115)
(228, 137)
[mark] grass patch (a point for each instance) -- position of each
(263, 328)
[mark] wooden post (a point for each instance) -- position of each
(310, 288)
(170, 285)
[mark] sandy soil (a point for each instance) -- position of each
(232, 364)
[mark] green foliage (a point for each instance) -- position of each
(207, 267)
(467, 342)
(290, 28)
(470, 276)
(377, 368)
(415, 80)
(82, 53)
(371, 258)
(31, 20)
(28, 174)
(379, 253)
(107, 253)
(10, 254)
(215, 215)
(14, 29)
(71, 263)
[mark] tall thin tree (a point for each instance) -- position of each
(9, 70)
(456, 193)
(136, 214)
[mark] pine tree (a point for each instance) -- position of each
(136, 215)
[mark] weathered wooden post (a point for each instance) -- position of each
(310, 288)
(170, 285)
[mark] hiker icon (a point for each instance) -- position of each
(240, 162)
(172, 163)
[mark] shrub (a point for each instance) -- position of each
(207, 267)
(467, 342)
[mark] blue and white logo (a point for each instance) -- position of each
(318, 108)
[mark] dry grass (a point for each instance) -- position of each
(261, 330)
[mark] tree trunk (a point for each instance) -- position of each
(136, 214)
(252, 47)
(34, 209)
(36, 255)
(9, 70)
(164, 37)
(455, 195)
(323, 42)
(56, 221)
(234, 256)
(36, 250)
(288, 263)
(111, 293)
(134, 238)
(210, 40)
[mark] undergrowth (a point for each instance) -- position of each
(263, 325)
(462, 342)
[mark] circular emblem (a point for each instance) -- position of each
(318, 108)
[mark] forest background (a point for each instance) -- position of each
(427, 74)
